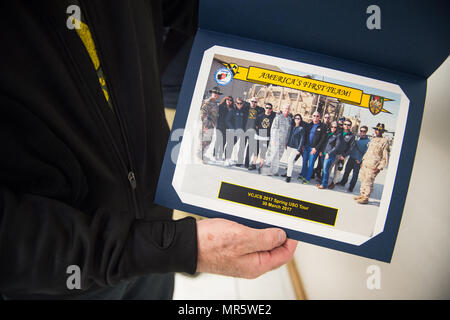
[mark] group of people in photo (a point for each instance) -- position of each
(263, 136)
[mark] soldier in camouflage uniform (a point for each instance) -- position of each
(279, 138)
(209, 114)
(375, 159)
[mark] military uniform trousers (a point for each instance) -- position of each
(367, 177)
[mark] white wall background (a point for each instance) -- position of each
(420, 267)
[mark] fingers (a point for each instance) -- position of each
(258, 263)
(280, 255)
(263, 239)
(229, 248)
(275, 258)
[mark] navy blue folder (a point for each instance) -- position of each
(413, 41)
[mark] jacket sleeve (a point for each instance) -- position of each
(40, 238)
(48, 221)
(385, 156)
(301, 140)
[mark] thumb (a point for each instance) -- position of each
(258, 263)
(265, 239)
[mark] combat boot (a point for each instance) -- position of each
(363, 200)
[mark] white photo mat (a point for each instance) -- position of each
(198, 184)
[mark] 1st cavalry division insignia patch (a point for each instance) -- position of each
(376, 104)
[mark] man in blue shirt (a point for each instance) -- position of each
(355, 159)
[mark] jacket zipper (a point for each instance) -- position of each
(131, 171)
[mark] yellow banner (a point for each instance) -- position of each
(345, 94)
(305, 84)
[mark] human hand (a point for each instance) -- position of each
(229, 248)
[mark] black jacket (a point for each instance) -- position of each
(236, 119)
(77, 181)
(222, 120)
(296, 138)
(320, 135)
(333, 144)
(348, 141)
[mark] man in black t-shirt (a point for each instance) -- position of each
(263, 125)
(250, 129)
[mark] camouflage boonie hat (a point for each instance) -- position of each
(380, 127)
(215, 90)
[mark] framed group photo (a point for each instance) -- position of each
(234, 156)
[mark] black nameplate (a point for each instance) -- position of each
(276, 203)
